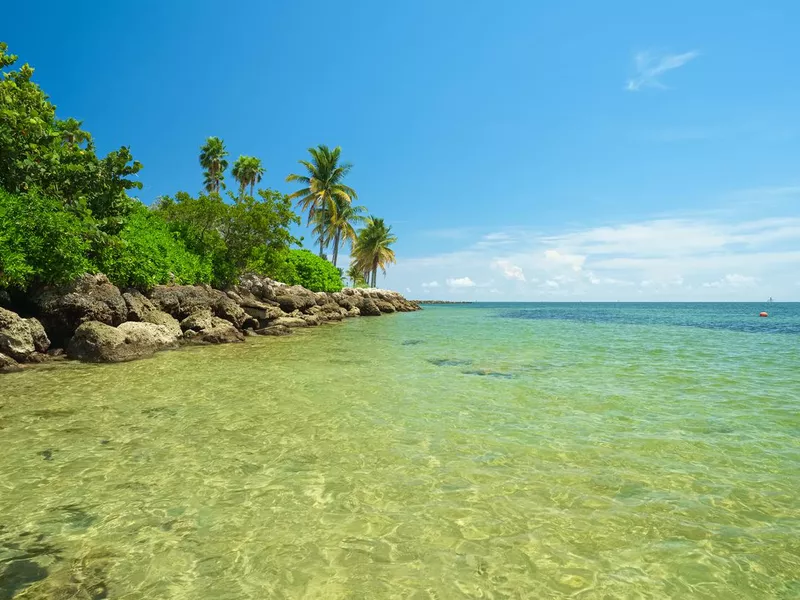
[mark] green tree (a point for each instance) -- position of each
(342, 225)
(39, 151)
(247, 170)
(245, 234)
(254, 230)
(213, 160)
(197, 221)
(72, 134)
(372, 250)
(303, 267)
(322, 185)
(40, 241)
(356, 276)
(147, 253)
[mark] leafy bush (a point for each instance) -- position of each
(302, 267)
(246, 234)
(40, 241)
(147, 253)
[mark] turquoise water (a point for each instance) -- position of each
(480, 451)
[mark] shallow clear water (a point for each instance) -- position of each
(486, 451)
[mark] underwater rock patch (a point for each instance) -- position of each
(450, 362)
(489, 373)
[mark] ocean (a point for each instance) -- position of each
(589, 451)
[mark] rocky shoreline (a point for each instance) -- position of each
(92, 320)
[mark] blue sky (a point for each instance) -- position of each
(521, 150)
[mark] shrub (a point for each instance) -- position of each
(302, 267)
(147, 253)
(40, 241)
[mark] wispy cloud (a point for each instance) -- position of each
(705, 257)
(650, 66)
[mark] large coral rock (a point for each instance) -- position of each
(89, 298)
(295, 297)
(289, 322)
(202, 327)
(97, 342)
(21, 338)
(8, 364)
(180, 301)
(138, 305)
(368, 308)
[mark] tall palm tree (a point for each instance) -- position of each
(247, 170)
(372, 251)
(341, 225)
(321, 229)
(213, 160)
(322, 184)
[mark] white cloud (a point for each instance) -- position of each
(650, 66)
(573, 261)
(733, 280)
(509, 271)
(460, 282)
(669, 258)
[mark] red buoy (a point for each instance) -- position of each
(763, 314)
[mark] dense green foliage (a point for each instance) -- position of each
(40, 242)
(64, 210)
(303, 267)
(148, 253)
(245, 235)
(40, 152)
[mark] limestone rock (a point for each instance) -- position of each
(16, 339)
(311, 320)
(63, 309)
(8, 364)
(295, 297)
(180, 301)
(158, 317)
(97, 342)
(138, 305)
(274, 330)
(384, 306)
(40, 340)
(368, 308)
(204, 328)
(220, 332)
(289, 322)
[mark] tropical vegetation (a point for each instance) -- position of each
(66, 210)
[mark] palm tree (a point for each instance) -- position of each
(322, 184)
(356, 275)
(247, 170)
(341, 225)
(212, 159)
(321, 229)
(372, 248)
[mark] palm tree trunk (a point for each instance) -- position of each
(321, 247)
(252, 185)
(335, 247)
(375, 274)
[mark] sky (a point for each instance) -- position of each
(521, 151)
